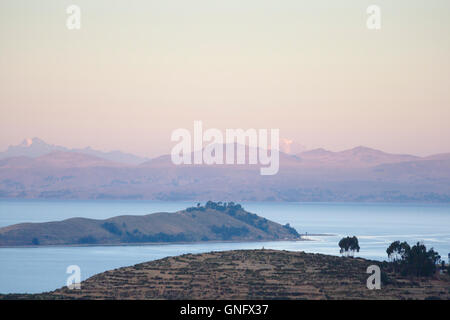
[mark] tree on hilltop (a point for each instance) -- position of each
(414, 261)
(349, 245)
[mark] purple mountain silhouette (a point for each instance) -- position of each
(37, 147)
(358, 174)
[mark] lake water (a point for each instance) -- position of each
(376, 226)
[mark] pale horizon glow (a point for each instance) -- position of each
(137, 71)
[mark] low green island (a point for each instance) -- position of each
(214, 221)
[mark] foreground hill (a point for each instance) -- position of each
(249, 274)
(213, 222)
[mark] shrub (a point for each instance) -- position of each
(112, 228)
(87, 240)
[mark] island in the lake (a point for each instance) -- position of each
(211, 222)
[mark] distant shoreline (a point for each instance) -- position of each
(139, 244)
(308, 202)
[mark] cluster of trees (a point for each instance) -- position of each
(349, 245)
(415, 260)
(88, 240)
(291, 230)
(219, 206)
(137, 237)
(236, 211)
(112, 228)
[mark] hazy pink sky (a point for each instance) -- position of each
(138, 70)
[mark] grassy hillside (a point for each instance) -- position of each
(250, 274)
(212, 222)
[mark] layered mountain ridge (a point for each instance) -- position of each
(358, 174)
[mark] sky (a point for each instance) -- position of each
(137, 70)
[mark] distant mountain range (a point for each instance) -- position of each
(36, 147)
(35, 169)
(356, 157)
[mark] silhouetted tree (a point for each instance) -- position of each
(349, 245)
(415, 260)
(397, 251)
(422, 262)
